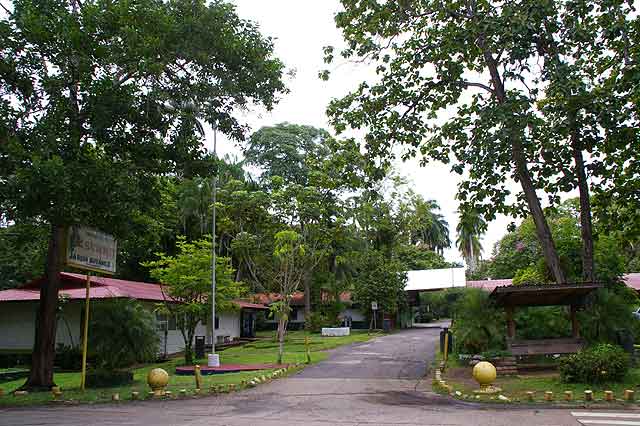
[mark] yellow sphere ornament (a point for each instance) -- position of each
(485, 373)
(158, 380)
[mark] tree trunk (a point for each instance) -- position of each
(586, 228)
(542, 227)
(307, 294)
(522, 172)
(44, 348)
(282, 328)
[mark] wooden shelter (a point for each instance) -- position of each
(572, 295)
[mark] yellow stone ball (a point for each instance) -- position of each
(484, 373)
(158, 379)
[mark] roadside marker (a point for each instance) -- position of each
(604, 418)
(614, 415)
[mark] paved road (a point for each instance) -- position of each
(375, 383)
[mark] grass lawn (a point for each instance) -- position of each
(261, 351)
(516, 387)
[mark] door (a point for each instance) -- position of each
(248, 323)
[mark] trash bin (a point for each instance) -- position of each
(444, 332)
(386, 325)
(199, 347)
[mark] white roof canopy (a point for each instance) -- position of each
(435, 279)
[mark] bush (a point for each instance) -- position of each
(608, 311)
(123, 333)
(479, 326)
(598, 364)
(68, 357)
(315, 321)
(11, 360)
(440, 304)
(107, 379)
(529, 275)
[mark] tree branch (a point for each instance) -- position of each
(480, 85)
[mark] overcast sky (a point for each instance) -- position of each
(301, 29)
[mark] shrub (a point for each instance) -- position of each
(598, 364)
(479, 326)
(122, 334)
(608, 311)
(68, 357)
(315, 321)
(529, 275)
(107, 379)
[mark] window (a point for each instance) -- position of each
(217, 323)
(172, 323)
(161, 322)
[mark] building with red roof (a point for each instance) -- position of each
(18, 309)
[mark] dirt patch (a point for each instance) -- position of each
(410, 398)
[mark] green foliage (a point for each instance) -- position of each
(528, 275)
(316, 321)
(441, 304)
(469, 229)
(381, 280)
(68, 357)
(479, 326)
(122, 333)
(608, 311)
(23, 249)
(100, 98)
(518, 254)
(544, 322)
(598, 364)
(186, 279)
(285, 150)
(416, 258)
(108, 378)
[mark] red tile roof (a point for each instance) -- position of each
(489, 285)
(632, 280)
(248, 305)
(72, 286)
(297, 299)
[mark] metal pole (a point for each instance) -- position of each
(213, 246)
(85, 335)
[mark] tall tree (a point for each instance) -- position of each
(88, 93)
(469, 229)
(305, 171)
(285, 150)
(427, 54)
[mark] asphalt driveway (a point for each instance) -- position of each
(380, 382)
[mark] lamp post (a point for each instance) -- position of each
(213, 358)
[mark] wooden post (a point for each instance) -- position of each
(511, 325)
(198, 375)
(575, 329)
(85, 334)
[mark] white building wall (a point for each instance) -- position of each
(17, 327)
(18, 324)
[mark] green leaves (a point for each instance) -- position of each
(92, 100)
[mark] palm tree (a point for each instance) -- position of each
(469, 229)
(430, 227)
